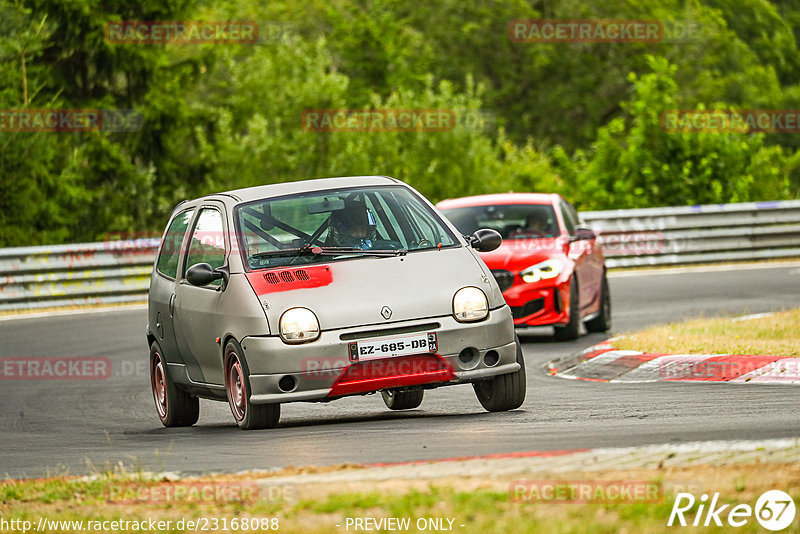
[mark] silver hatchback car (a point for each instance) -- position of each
(317, 290)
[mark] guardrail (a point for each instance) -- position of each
(119, 271)
(698, 234)
(67, 275)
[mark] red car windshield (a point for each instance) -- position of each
(513, 221)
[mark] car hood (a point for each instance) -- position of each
(517, 254)
(352, 293)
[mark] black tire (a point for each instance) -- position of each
(237, 386)
(402, 399)
(504, 392)
(173, 406)
(573, 327)
(602, 323)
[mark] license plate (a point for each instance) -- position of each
(394, 346)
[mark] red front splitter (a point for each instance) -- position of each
(404, 371)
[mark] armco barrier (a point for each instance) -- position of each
(65, 275)
(119, 271)
(698, 234)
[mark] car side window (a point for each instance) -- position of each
(575, 217)
(167, 263)
(424, 226)
(570, 220)
(207, 244)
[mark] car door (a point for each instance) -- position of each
(582, 253)
(196, 308)
(162, 286)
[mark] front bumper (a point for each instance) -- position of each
(539, 304)
(322, 369)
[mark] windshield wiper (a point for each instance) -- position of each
(356, 250)
(328, 251)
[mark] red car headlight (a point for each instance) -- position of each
(543, 271)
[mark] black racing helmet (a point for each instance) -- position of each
(353, 224)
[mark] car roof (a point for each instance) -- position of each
(304, 186)
(503, 198)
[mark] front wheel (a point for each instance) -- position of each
(504, 392)
(402, 399)
(602, 323)
(572, 328)
(237, 384)
(174, 407)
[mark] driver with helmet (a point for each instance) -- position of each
(353, 226)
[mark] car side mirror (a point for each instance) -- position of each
(485, 240)
(202, 274)
(583, 233)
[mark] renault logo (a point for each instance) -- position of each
(386, 311)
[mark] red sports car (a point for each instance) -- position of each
(550, 268)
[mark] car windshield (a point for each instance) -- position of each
(513, 221)
(338, 224)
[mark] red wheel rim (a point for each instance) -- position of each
(236, 390)
(159, 385)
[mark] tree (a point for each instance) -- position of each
(638, 163)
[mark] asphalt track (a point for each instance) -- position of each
(53, 427)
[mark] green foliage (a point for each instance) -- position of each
(636, 163)
(254, 139)
(581, 119)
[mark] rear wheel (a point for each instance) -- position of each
(504, 392)
(572, 328)
(237, 385)
(602, 323)
(174, 407)
(402, 399)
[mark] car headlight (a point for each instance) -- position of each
(299, 325)
(542, 271)
(470, 304)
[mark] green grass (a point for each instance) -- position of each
(776, 335)
(486, 510)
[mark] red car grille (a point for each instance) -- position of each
(505, 279)
(529, 308)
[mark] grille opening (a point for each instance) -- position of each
(491, 358)
(505, 279)
(469, 358)
(300, 275)
(530, 307)
(287, 383)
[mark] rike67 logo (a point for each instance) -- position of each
(774, 510)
